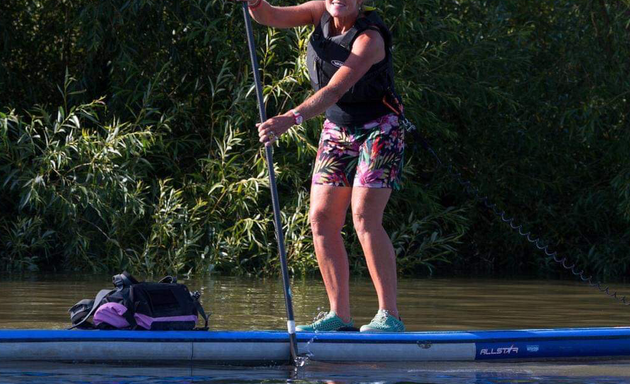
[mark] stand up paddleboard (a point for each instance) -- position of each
(268, 347)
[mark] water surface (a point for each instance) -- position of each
(438, 373)
(258, 303)
(41, 302)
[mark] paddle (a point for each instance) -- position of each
(273, 187)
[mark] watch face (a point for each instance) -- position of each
(297, 118)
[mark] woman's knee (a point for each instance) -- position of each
(368, 206)
(324, 222)
(366, 223)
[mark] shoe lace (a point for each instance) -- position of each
(381, 316)
(320, 316)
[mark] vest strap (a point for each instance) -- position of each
(324, 24)
(359, 26)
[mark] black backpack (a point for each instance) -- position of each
(165, 305)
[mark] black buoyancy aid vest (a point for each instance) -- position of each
(326, 54)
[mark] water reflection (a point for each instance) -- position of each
(439, 373)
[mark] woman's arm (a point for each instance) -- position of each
(367, 50)
(287, 17)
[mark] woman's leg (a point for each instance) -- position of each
(368, 205)
(327, 216)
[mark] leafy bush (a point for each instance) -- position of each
(127, 136)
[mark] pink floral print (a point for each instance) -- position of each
(369, 155)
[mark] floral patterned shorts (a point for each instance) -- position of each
(369, 155)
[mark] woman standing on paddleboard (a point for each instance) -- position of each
(360, 153)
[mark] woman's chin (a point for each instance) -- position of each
(336, 11)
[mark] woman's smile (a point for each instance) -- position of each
(338, 4)
(342, 8)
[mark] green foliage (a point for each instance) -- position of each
(127, 136)
(530, 101)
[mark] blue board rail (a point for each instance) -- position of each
(273, 346)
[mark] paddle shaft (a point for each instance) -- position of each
(274, 189)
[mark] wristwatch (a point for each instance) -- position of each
(297, 118)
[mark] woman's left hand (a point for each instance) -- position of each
(270, 130)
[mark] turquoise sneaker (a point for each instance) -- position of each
(325, 322)
(384, 322)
